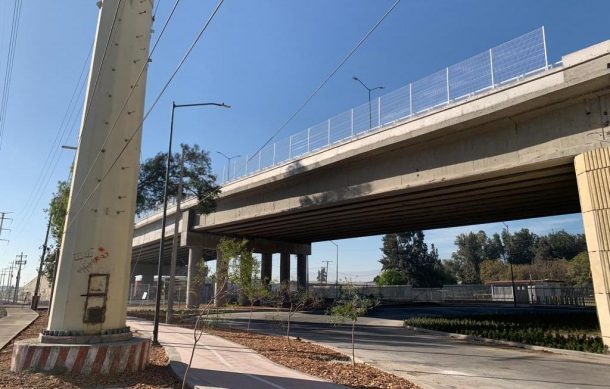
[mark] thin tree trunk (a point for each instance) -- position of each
(353, 348)
(250, 317)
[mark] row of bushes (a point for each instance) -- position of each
(537, 331)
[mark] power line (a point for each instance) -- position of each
(94, 89)
(311, 96)
(62, 134)
(152, 107)
(8, 74)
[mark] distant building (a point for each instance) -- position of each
(527, 291)
(27, 291)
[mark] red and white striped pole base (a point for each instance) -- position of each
(100, 358)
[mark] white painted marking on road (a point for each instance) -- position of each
(453, 372)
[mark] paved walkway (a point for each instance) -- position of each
(16, 319)
(219, 363)
(442, 362)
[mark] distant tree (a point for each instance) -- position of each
(520, 246)
(198, 179)
(391, 277)
(493, 248)
(322, 276)
(559, 245)
(58, 207)
(493, 270)
(579, 270)
(408, 253)
(469, 255)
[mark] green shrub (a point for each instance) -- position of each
(570, 332)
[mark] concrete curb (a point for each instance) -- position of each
(478, 340)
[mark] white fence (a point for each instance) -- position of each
(500, 65)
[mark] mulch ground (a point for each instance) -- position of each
(315, 360)
(156, 375)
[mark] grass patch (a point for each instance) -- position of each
(2, 312)
(578, 331)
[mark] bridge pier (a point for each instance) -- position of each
(266, 264)
(284, 268)
(593, 178)
(192, 277)
(302, 272)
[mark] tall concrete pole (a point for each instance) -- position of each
(90, 295)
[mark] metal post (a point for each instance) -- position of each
(172, 271)
(273, 161)
(308, 137)
(246, 167)
(370, 117)
(491, 65)
(163, 222)
(546, 61)
(447, 77)
(410, 100)
(290, 147)
(379, 111)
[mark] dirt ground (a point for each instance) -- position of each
(156, 375)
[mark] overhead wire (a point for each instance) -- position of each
(323, 83)
(8, 74)
(74, 216)
(54, 150)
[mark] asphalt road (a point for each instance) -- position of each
(434, 361)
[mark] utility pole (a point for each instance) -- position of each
(36, 295)
(3, 274)
(19, 262)
(326, 262)
(2, 219)
(9, 281)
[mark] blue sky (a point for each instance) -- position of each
(263, 58)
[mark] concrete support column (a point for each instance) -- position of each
(302, 271)
(266, 263)
(222, 279)
(284, 268)
(194, 281)
(593, 178)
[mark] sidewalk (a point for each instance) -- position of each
(17, 318)
(219, 363)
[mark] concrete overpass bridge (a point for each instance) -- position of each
(508, 153)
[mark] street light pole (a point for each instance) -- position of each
(512, 277)
(369, 90)
(228, 161)
(164, 219)
(336, 268)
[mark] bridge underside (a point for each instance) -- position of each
(513, 195)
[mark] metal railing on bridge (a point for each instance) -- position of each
(506, 63)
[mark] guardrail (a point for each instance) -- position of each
(506, 63)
